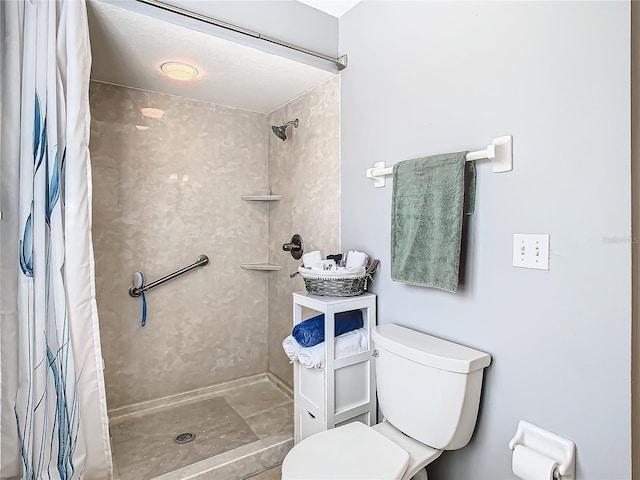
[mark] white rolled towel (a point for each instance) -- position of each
(312, 357)
(356, 259)
(311, 259)
(347, 344)
(291, 348)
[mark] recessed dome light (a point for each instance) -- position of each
(179, 71)
(152, 112)
(142, 128)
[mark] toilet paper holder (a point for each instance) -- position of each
(549, 444)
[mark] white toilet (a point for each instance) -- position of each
(429, 393)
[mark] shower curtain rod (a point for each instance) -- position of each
(340, 62)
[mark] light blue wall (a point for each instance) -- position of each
(431, 77)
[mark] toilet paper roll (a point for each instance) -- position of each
(528, 464)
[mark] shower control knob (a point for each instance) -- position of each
(295, 246)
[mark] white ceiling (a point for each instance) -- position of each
(337, 8)
(128, 49)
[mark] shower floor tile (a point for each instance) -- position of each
(277, 420)
(144, 445)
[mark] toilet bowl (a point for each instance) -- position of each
(429, 392)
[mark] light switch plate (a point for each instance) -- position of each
(531, 251)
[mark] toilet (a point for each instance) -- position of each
(429, 394)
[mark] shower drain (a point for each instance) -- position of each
(185, 437)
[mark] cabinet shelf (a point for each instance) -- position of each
(345, 390)
(270, 267)
(261, 198)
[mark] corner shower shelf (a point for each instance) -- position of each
(269, 267)
(261, 198)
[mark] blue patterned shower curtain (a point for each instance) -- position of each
(59, 408)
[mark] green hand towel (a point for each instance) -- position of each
(426, 219)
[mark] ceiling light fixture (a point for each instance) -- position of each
(179, 71)
(152, 112)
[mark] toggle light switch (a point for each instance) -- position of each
(531, 251)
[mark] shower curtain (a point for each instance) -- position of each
(54, 421)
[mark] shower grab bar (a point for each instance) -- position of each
(201, 261)
(500, 152)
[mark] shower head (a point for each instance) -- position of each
(280, 131)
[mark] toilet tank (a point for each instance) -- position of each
(428, 388)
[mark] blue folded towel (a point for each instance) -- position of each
(311, 331)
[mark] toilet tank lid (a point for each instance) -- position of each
(428, 350)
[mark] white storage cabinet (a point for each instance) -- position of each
(345, 390)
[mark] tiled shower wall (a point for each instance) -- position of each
(161, 197)
(165, 194)
(305, 169)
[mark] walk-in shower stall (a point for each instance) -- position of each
(202, 390)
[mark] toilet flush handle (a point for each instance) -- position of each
(375, 353)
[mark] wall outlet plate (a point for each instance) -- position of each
(531, 251)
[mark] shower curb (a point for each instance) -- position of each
(120, 414)
(238, 463)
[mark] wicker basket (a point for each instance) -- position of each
(338, 286)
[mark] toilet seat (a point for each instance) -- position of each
(353, 451)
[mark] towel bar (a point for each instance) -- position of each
(500, 152)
